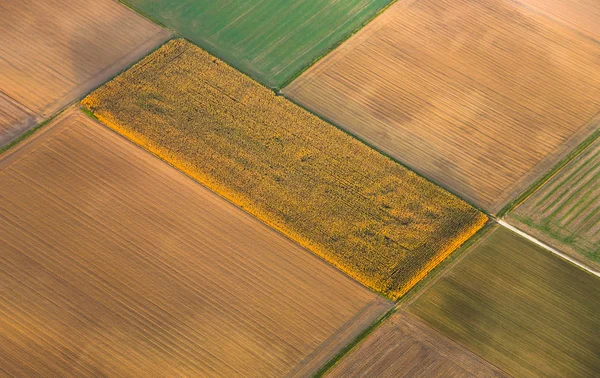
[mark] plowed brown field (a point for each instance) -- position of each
(54, 51)
(115, 264)
(404, 346)
(480, 96)
(581, 15)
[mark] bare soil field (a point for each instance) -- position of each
(565, 211)
(53, 52)
(482, 97)
(115, 264)
(519, 306)
(581, 15)
(372, 218)
(404, 346)
(14, 119)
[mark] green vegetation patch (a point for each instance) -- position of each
(271, 40)
(520, 307)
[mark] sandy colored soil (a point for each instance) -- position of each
(565, 211)
(404, 346)
(115, 264)
(14, 119)
(55, 51)
(581, 15)
(482, 97)
(519, 306)
(374, 219)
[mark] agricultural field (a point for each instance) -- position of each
(54, 52)
(520, 307)
(370, 217)
(115, 264)
(565, 211)
(404, 346)
(581, 15)
(270, 40)
(482, 97)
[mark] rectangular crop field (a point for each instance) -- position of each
(482, 97)
(581, 15)
(53, 52)
(375, 220)
(115, 264)
(271, 40)
(404, 346)
(565, 211)
(520, 307)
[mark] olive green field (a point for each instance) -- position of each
(270, 40)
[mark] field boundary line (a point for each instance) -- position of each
(555, 169)
(546, 246)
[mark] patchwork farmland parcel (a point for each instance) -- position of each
(482, 97)
(404, 346)
(565, 211)
(271, 40)
(581, 15)
(115, 264)
(520, 307)
(53, 52)
(375, 220)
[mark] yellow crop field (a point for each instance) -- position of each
(372, 218)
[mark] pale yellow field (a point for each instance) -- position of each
(581, 15)
(482, 97)
(404, 346)
(54, 51)
(115, 264)
(374, 219)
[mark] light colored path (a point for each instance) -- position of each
(556, 252)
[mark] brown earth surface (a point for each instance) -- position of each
(482, 97)
(404, 346)
(581, 15)
(115, 264)
(53, 52)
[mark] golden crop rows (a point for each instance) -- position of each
(372, 218)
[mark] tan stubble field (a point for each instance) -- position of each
(114, 263)
(482, 97)
(404, 346)
(53, 52)
(581, 15)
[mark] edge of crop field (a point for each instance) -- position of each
(379, 294)
(446, 265)
(337, 44)
(375, 148)
(21, 138)
(145, 15)
(31, 131)
(581, 147)
(354, 343)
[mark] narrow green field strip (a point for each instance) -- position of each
(565, 211)
(269, 40)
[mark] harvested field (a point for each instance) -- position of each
(565, 211)
(581, 15)
(482, 97)
(54, 52)
(271, 40)
(115, 264)
(404, 346)
(14, 119)
(520, 307)
(370, 217)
